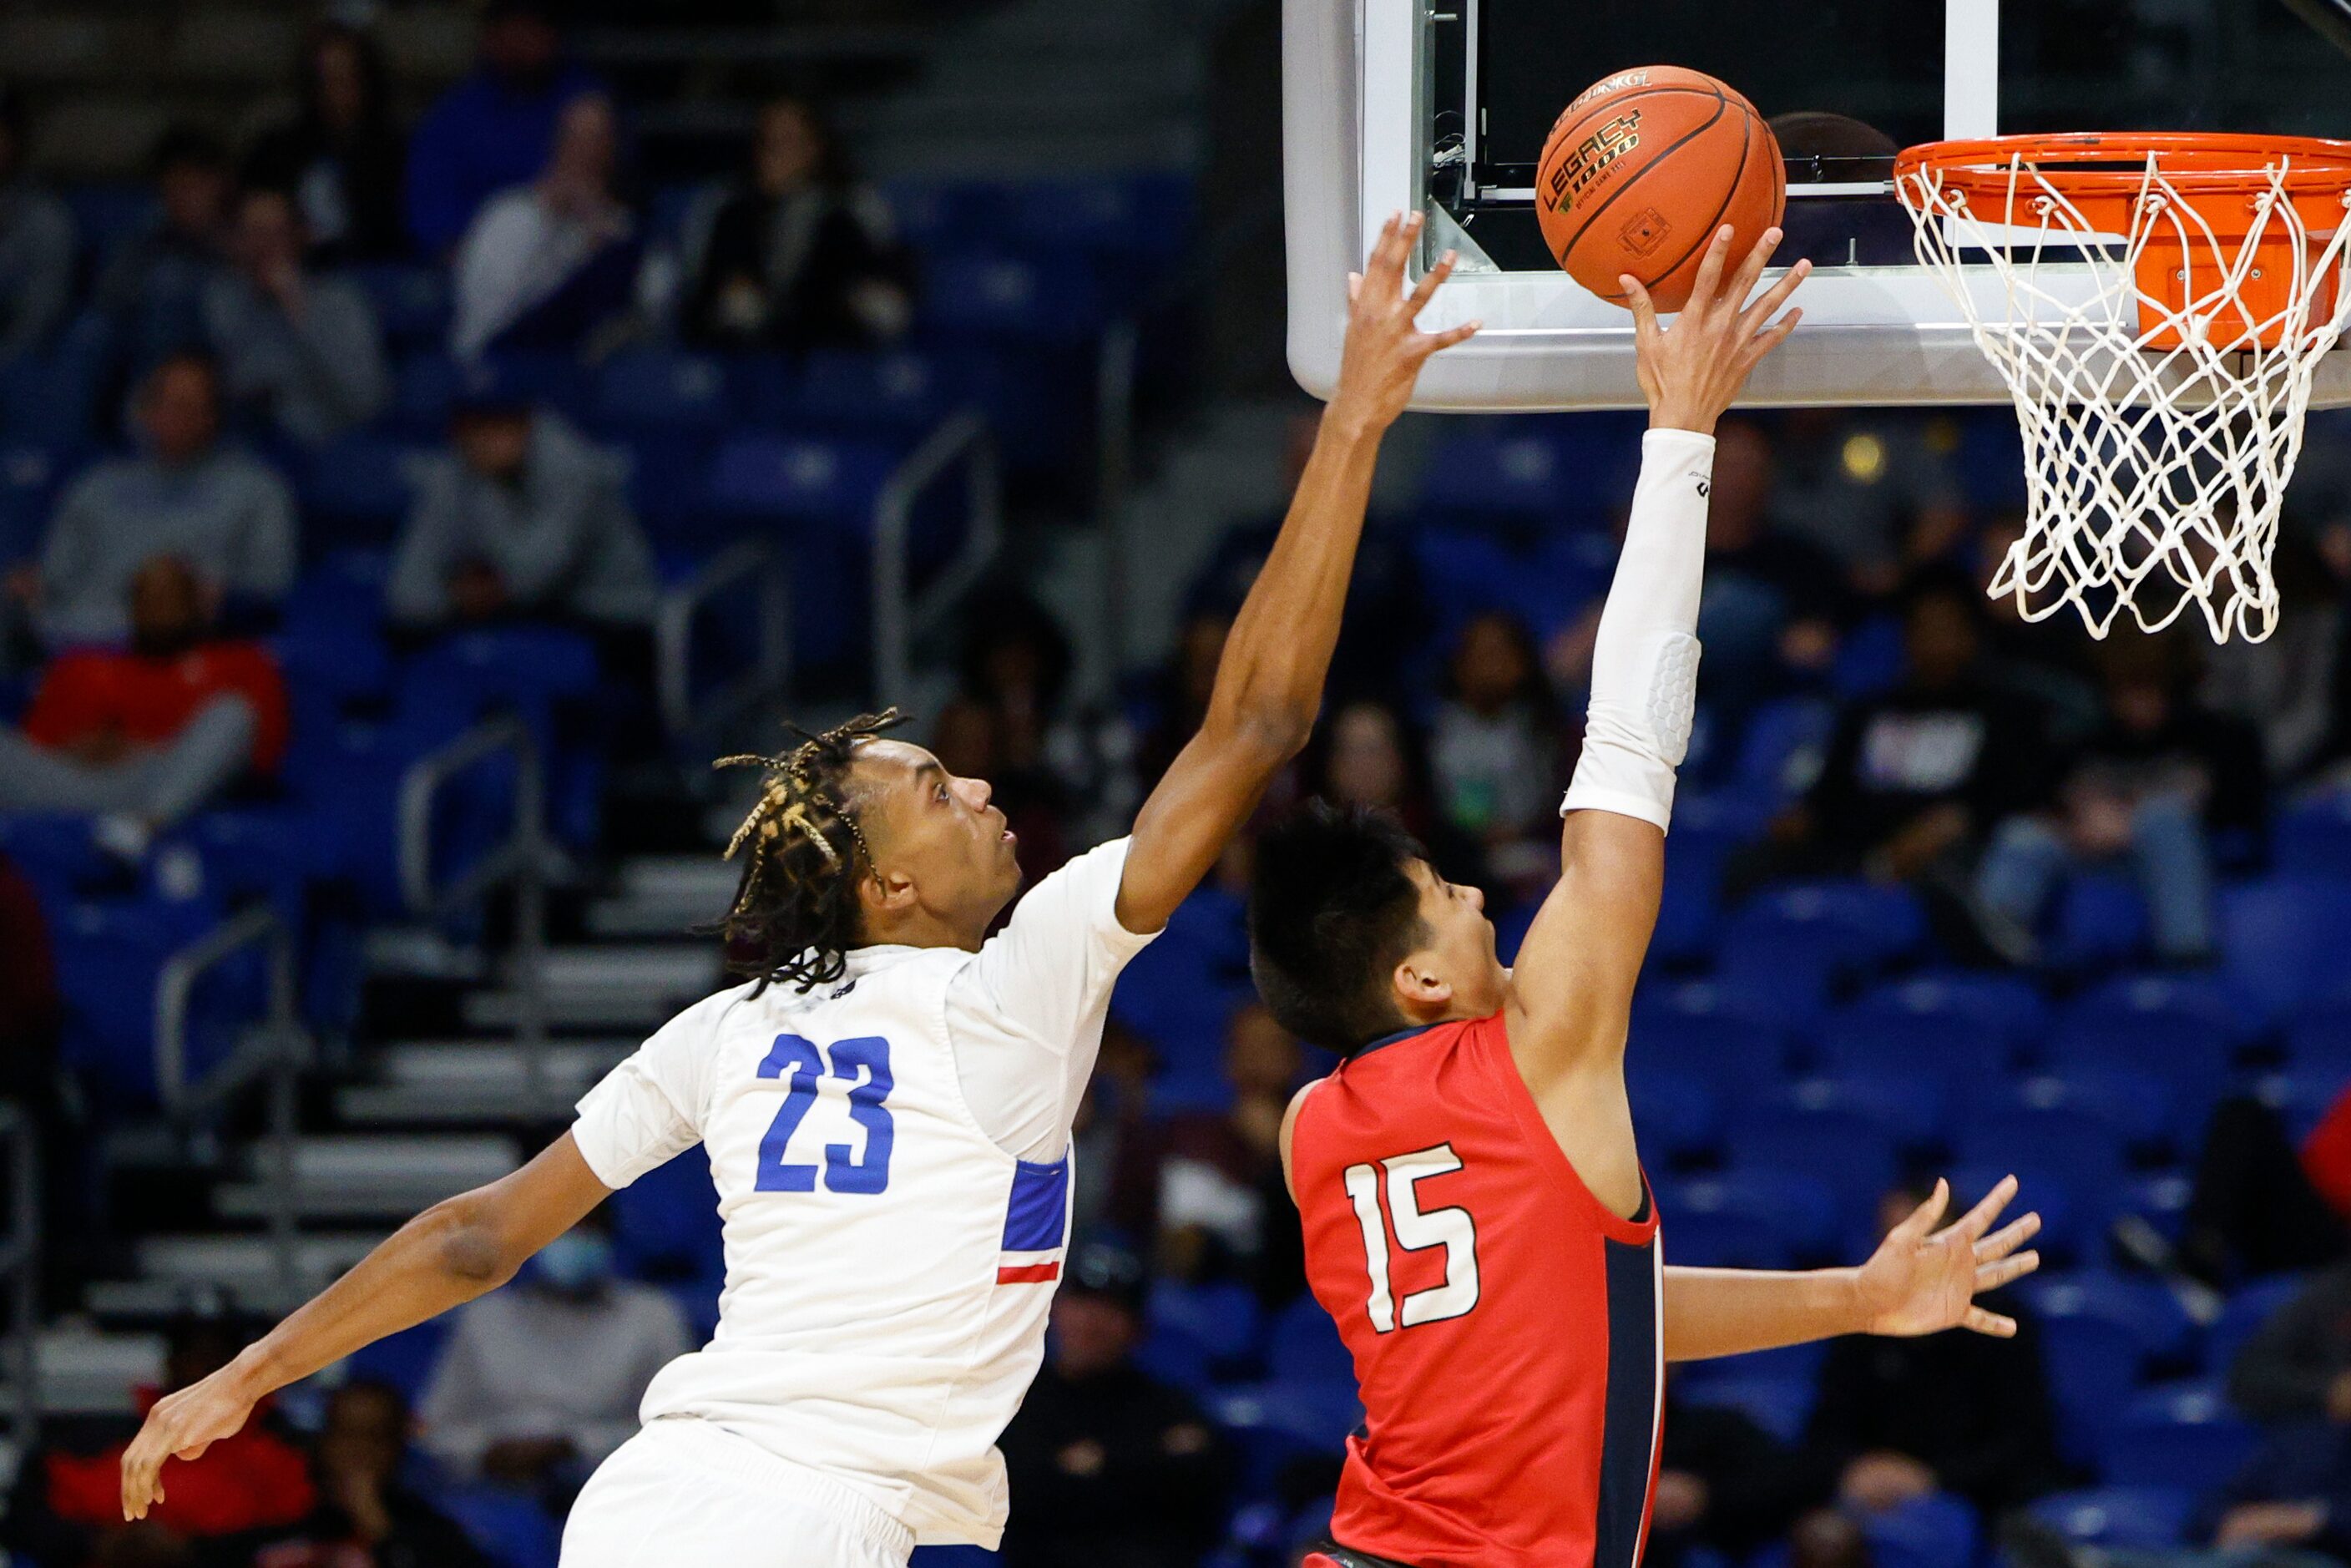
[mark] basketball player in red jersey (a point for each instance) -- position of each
(1477, 1221)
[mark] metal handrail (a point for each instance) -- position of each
(521, 862)
(277, 1049)
(20, 1260)
(897, 617)
(673, 639)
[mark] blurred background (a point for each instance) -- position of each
(428, 434)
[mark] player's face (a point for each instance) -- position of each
(1455, 974)
(939, 831)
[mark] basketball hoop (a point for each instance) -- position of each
(2162, 304)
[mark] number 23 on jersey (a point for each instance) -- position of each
(864, 1063)
(1416, 1229)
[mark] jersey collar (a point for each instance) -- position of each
(1387, 1040)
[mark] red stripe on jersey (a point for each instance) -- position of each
(1030, 1274)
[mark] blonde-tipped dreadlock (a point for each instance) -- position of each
(795, 913)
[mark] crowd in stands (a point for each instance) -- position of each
(1945, 887)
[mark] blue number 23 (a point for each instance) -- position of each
(864, 1063)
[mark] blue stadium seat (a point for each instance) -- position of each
(2300, 1096)
(1123, 217)
(658, 388)
(1847, 1149)
(933, 215)
(900, 392)
(1273, 1423)
(1950, 1051)
(2313, 836)
(1938, 1531)
(2101, 921)
(2249, 1307)
(2003, 1005)
(1796, 1204)
(669, 476)
(2183, 1436)
(1780, 1406)
(1727, 1239)
(1707, 1031)
(1180, 992)
(2143, 1307)
(2095, 1366)
(2281, 938)
(29, 476)
(106, 214)
(510, 1526)
(1868, 658)
(1794, 940)
(1483, 476)
(2068, 1226)
(1222, 1317)
(1678, 1112)
(2318, 1037)
(2079, 1149)
(2139, 1517)
(411, 300)
(1000, 295)
(1303, 1346)
(774, 478)
(2184, 1030)
(356, 487)
(1908, 1102)
(666, 1224)
(1781, 752)
(405, 1360)
(2140, 1110)
(425, 387)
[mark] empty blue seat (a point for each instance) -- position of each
(29, 476)
(2281, 939)
(666, 1224)
(2006, 1006)
(783, 478)
(2101, 920)
(1938, 1531)
(2249, 1307)
(2095, 1366)
(2185, 1436)
(1908, 1104)
(1677, 1111)
(1951, 1051)
(1116, 217)
(657, 389)
(1869, 658)
(1794, 942)
(1781, 753)
(933, 215)
(2185, 1031)
(411, 300)
(2143, 1307)
(2067, 1225)
(1845, 1148)
(2314, 835)
(1303, 1346)
(1223, 1316)
(900, 392)
(1705, 1030)
(1727, 1239)
(2081, 1149)
(1273, 1423)
(357, 486)
(1493, 477)
(405, 1360)
(424, 388)
(511, 1526)
(2138, 1109)
(1047, 300)
(1780, 1406)
(1794, 1203)
(108, 214)
(2141, 1517)
(2319, 1037)
(2300, 1096)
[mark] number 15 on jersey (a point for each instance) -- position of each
(1416, 1229)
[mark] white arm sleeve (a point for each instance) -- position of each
(1645, 662)
(1025, 1016)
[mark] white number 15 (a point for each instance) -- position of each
(1415, 1230)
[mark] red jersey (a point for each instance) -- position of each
(1505, 1324)
(149, 700)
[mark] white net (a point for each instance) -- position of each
(2159, 431)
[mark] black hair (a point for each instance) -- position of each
(1946, 582)
(1004, 615)
(795, 915)
(375, 80)
(1332, 912)
(834, 171)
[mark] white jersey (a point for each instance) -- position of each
(890, 1253)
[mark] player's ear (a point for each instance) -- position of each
(885, 892)
(1420, 990)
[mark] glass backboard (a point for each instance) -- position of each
(1443, 105)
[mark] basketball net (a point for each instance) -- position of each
(2161, 396)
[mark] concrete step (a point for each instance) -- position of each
(665, 895)
(85, 1373)
(232, 1269)
(467, 1080)
(372, 1175)
(609, 986)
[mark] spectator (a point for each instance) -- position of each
(1772, 601)
(1210, 1183)
(542, 1380)
(2289, 1504)
(1959, 1413)
(1876, 496)
(1366, 754)
(36, 246)
(2256, 1205)
(153, 290)
(1109, 1467)
(1915, 777)
(523, 517)
(2297, 1365)
(492, 130)
(2285, 684)
(226, 515)
(364, 1503)
(800, 257)
(302, 353)
(340, 157)
(2046, 662)
(1496, 747)
(1727, 1486)
(34, 1080)
(551, 265)
(147, 735)
(2157, 785)
(1186, 683)
(245, 1490)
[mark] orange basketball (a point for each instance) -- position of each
(1642, 169)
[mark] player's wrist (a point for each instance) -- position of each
(1670, 414)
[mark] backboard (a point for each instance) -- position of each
(1443, 105)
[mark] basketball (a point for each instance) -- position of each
(1639, 171)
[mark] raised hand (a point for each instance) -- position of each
(1693, 370)
(181, 1425)
(1385, 347)
(1918, 1283)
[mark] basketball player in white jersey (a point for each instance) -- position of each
(885, 1106)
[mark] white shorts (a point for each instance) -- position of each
(684, 1491)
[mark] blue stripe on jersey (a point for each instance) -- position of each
(1628, 1439)
(1038, 1217)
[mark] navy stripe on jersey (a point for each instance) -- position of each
(1628, 1440)
(1038, 1217)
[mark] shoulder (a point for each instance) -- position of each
(102, 480)
(1290, 1127)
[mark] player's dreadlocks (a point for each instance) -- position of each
(795, 913)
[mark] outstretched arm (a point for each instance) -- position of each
(1574, 986)
(1270, 681)
(1916, 1284)
(459, 1248)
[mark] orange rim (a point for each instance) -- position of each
(2192, 163)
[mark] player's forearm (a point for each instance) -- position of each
(1645, 658)
(442, 1259)
(1730, 1312)
(1270, 681)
